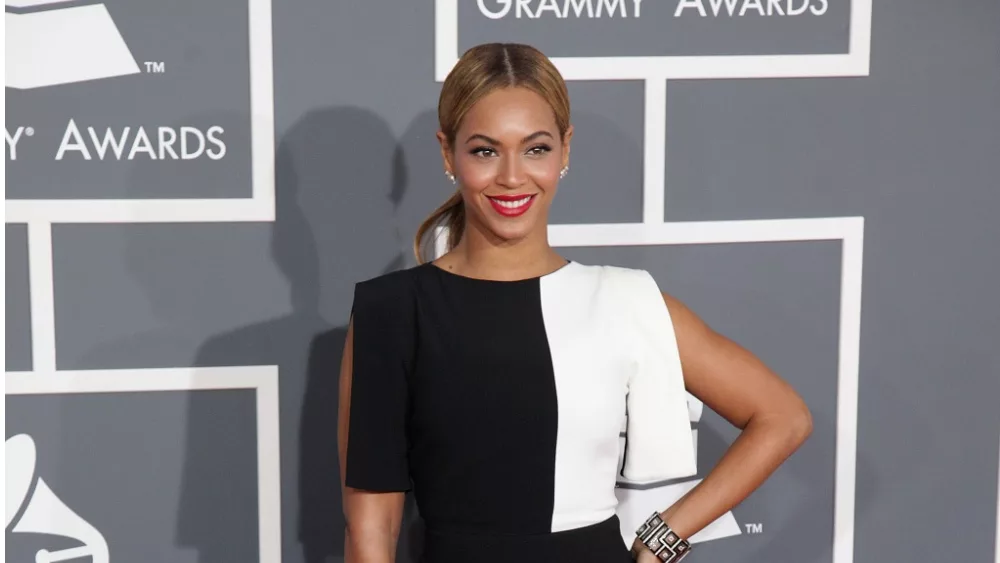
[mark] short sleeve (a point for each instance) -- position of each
(377, 444)
(658, 438)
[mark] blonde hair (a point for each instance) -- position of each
(481, 70)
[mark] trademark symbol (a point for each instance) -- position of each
(156, 67)
(29, 131)
(754, 528)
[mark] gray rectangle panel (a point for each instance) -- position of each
(604, 183)
(643, 28)
(184, 80)
(155, 476)
(17, 300)
(164, 295)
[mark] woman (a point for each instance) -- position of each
(495, 380)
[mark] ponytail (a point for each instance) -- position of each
(451, 215)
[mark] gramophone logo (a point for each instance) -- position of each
(49, 43)
(32, 507)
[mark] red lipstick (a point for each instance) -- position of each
(511, 205)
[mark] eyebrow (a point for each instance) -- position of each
(527, 139)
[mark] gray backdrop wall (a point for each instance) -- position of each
(191, 198)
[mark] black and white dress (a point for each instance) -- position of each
(502, 404)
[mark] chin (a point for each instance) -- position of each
(509, 230)
(509, 233)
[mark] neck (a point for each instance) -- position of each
(481, 254)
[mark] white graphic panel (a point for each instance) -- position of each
(64, 45)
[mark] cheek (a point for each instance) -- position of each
(476, 173)
(544, 173)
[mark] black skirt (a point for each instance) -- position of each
(597, 543)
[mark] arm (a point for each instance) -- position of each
(773, 419)
(373, 518)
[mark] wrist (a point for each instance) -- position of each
(656, 536)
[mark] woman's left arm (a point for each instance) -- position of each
(773, 419)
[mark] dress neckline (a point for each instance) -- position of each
(448, 273)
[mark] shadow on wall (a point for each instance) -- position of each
(341, 178)
(418, 155)
(179, 305)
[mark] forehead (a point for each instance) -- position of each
(515, 110)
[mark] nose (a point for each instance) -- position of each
(511, 174)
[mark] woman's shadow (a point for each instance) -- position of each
(340, 179)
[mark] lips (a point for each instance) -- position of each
(511, 205)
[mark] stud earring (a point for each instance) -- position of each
(450, 176)
(562, 173)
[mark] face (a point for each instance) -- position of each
(506, 159)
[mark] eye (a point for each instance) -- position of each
(482, 152)
(539, 150)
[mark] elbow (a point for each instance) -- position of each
(799, 423)
(789, 421)
(788, 426)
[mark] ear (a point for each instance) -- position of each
(567, 137)
(446, 152)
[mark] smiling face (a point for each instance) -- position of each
(506, 157)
